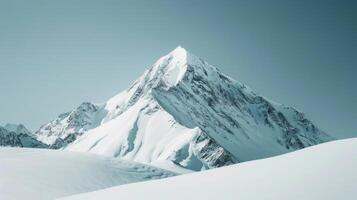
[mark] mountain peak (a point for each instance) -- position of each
(170, 68)
(179, 52)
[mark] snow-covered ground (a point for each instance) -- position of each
(326, 171)
(48, 174)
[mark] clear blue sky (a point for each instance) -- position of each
(56, 54)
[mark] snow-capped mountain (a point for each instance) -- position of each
(184, 112)
(14, 135)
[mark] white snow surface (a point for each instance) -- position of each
(322, 172)
(48, 174)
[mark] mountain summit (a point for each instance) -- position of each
(184, 113)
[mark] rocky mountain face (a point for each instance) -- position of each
(18, 136)
(184, 112)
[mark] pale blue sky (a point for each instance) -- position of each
(56, 54)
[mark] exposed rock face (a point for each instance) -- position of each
(212, 153)
(184, 111)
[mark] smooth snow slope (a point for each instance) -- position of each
(49, 174)
(326, 171)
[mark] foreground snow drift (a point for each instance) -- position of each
(327, 171)
(47, 174)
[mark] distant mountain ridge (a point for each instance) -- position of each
(14, 135)
(183, 112)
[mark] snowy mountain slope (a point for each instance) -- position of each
(185, 111)
(323, 172)
(14, 135)
(48, 174)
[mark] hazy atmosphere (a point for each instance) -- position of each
(56, 54)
